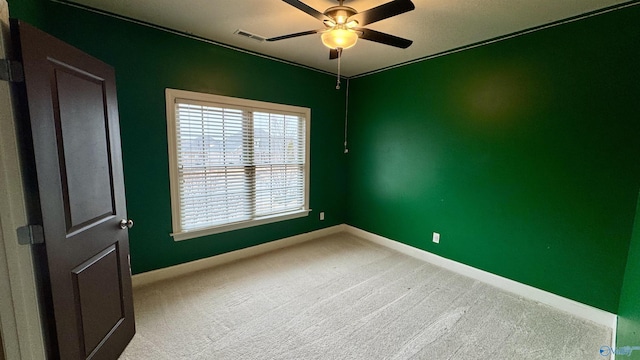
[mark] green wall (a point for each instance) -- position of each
(147, 61)
(629, 311)
(523, 154)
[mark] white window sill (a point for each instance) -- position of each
(185, 235)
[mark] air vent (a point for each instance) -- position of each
(249, 35)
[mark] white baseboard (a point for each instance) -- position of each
(573, 307)
(192, 266)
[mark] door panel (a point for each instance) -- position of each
(81, 125)
(98, 292)
(73, 114)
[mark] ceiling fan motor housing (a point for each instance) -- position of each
(340, 14)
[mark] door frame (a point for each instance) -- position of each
(20, 321)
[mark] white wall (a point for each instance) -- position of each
(20, 324)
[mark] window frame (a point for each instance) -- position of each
(171, 96)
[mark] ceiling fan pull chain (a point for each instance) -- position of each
(346, 113)
(338, 83)
(339, 57)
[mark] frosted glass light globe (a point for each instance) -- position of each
(339, 38)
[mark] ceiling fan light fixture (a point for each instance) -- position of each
(351, 24)
(339, 38)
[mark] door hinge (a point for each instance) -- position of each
(30, 235)
(11, 71)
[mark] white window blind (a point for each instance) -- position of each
(237, 162)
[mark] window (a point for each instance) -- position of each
(235, 163)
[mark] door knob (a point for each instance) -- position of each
(124, 223)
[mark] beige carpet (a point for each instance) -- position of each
(342, 297)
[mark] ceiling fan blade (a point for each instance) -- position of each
(383, 38)
(308, 9)
(334, 54)
(289, 36)
(382, 12)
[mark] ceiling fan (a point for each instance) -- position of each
(343, 25)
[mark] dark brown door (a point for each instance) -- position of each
(71, 101)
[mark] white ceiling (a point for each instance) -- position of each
(434, 26)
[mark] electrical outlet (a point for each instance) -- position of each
(321, 215)
(436, 238)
